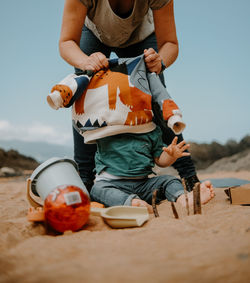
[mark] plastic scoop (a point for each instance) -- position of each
(122, 216)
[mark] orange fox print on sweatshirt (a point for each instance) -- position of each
(138, 102)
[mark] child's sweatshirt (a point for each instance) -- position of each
(117, 100)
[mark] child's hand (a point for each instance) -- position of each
(177, 150)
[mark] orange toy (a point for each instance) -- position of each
(66, 208)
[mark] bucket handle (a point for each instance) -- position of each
(31, 200)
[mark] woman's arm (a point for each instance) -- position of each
(73, 20)
(171, 153)
(166, 36)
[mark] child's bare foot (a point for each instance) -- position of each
(141, 203)
(206, 194)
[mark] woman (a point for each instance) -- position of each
(92, 29)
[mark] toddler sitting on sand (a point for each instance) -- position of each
(124, 163)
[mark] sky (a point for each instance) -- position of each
(210, 81)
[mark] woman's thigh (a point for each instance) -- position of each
(137, 48)
(89, 43)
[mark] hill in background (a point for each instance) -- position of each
(12, 163)
(40, 151)
(205, 155)
(21, 156)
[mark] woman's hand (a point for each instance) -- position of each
(152, 60)
(95, 62)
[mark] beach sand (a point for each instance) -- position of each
(212, 247)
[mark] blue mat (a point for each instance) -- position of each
(227, 182)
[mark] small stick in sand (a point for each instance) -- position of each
(186, 196)
(174, 210)
(197, 198)
(154, 203)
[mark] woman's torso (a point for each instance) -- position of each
(121, 23)
(123, 9)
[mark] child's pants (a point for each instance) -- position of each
(122, 191)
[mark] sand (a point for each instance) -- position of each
(212, 247)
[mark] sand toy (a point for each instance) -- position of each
(115, 216)
(53, 173)
(53, 177)
(122, 216)
(66, 202)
